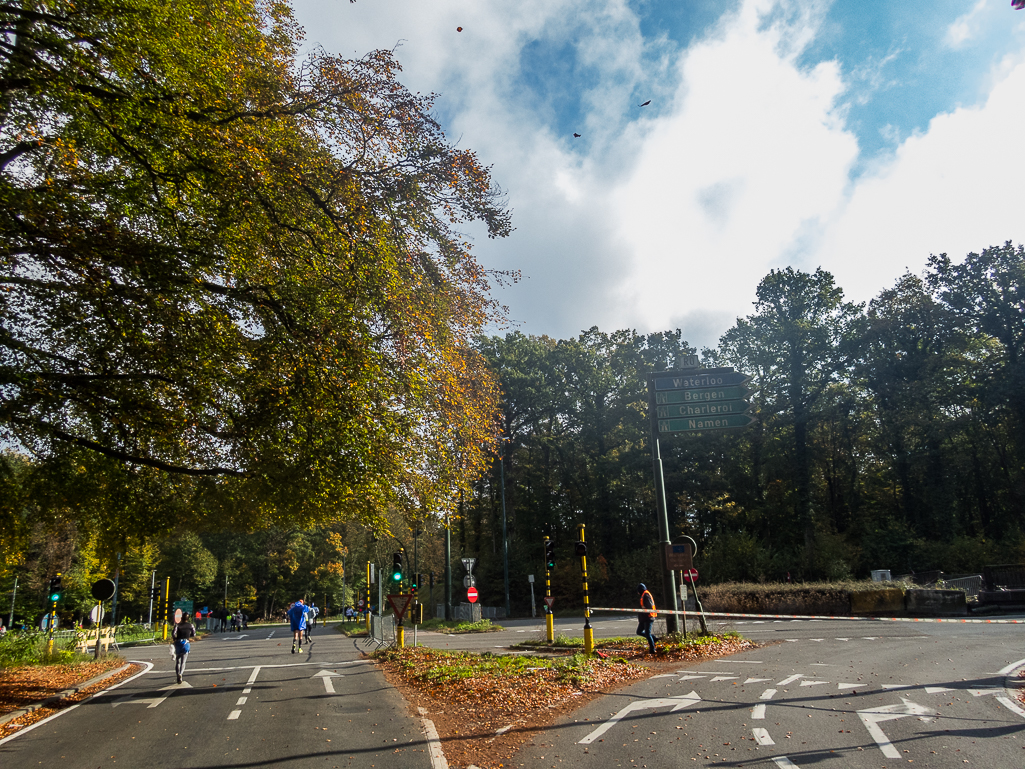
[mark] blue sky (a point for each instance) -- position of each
(855, 136)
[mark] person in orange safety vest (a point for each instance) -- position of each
(646, 617)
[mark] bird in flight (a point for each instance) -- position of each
(649, 100)
(1018, 4)
(576, 136)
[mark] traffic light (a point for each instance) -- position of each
(55, 588)
(155, 594)
(580, 549)
(396, 566)
(415, 583)
(549, 554)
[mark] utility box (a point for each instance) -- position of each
(880, 575)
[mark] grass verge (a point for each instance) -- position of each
(352, 629)
(460, 626)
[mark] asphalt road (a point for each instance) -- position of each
(246, 701)
(831, 693)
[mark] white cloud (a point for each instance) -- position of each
(966, 26)
(724, 186)
(953, 188)
(671, 215)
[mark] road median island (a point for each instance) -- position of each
(31, 693)
(485, 705)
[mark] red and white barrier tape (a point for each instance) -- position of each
(810, 616)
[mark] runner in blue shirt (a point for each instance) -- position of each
(297, 621)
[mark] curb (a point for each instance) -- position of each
(1012, 685)
(55, 698)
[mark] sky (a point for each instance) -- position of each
(859, 137)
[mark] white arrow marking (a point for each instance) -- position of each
(665, 675)
(756, 680)
(896, 686)
(813, 683)
(790, 680)
(784, 763)
(873, 716)
(937, 689)
(152, 702)
(987, 690)
(848, 686)
(762, 736)
(327, 675)
(758, 712)
(678, 703)
(724, 678)
(687, 678)
(768, 694)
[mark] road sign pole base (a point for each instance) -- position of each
(400, 637)
(550, 627)
(588, 640)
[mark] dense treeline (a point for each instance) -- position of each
(889, 436)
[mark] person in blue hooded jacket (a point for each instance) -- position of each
(297, 621)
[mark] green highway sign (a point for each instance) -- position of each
(701, 395)
(717, 378)
(703, 409)
(696, 424)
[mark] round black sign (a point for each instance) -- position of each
(103, 589)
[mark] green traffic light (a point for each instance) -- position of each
(397, 576)
(55, 596)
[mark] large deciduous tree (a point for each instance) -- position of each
(224, 263)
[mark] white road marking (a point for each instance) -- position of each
(151, 702)
(241, 700)
(746, 662)
(843, 639)
(723, 678)
(758, 713)
(813, 683)
(870, 638)
(1010, 668)
(784, 763)
(756, 680)
(871, 718)
(233, 715)
(937, 689)
(271, 635)
(762, 736)
(896, 686)
(790, 679)
(678, 703)
(849, 686)
(790, 640)
(665, 675)
(987, 690)
(687, 678)
(768, 694)
(327, 675)
(817, 640)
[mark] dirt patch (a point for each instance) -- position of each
(33, 684)
(484, 718)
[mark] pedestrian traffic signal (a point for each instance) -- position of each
(396, 566)
(55, 588)
(549, 554)
(580, 549)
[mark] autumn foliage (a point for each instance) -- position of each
(232, 273)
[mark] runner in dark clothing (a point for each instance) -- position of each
(181, 634)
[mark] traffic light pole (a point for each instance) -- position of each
(668, 580)
(549, 617)
(588, 630)
(55, 588)
(167, 605)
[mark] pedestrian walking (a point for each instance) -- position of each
(646, 616)
(297, 621)
(181, 634)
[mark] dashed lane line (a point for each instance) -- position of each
(233, 715)
(762, 736)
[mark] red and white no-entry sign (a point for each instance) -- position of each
(471, 594)
(690, 575)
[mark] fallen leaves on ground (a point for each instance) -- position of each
(37, 683)
(470, 697)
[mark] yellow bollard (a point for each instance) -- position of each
(550, 626)
(400, 637)
(588, 631)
